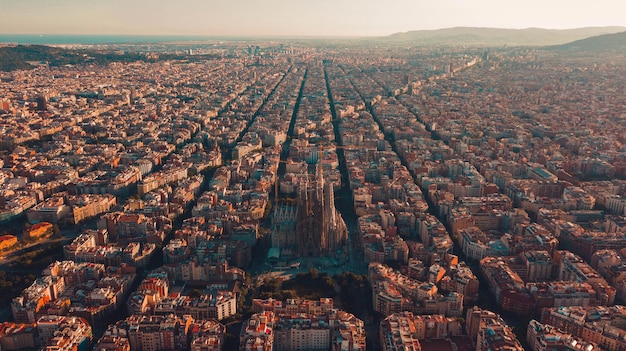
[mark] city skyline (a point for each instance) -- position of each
(295, 18)
(348, 194)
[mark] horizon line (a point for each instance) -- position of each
(300, 35)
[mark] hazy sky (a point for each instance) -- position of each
(297, 17)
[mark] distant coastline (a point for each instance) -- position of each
(59, 39)
(96, 39)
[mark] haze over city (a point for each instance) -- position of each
(295, 17)
(280, 175)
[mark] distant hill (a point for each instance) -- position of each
(500, 36)
(17, 57)
(29, 56)
(606, 42)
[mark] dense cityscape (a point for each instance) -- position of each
(294, 195)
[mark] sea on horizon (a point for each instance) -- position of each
(89, 39)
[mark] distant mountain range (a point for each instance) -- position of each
(606, 42)
(499, 36)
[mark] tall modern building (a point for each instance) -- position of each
(313, 227)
